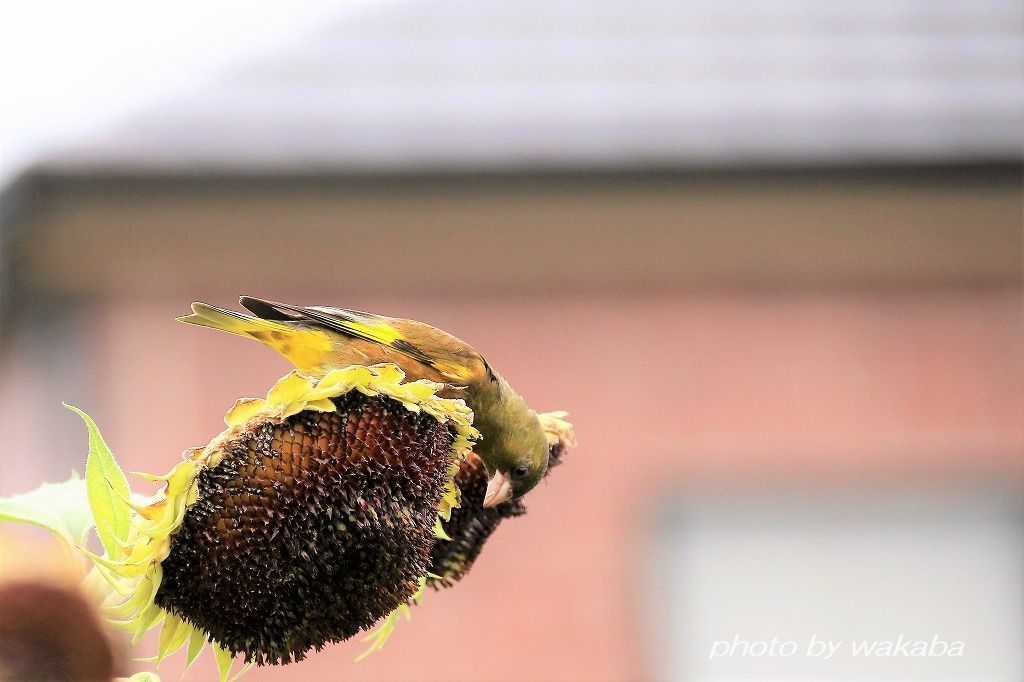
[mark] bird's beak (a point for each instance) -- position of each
(499, 489)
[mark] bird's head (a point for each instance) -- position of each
(516, 460)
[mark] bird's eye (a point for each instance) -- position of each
(520, 471)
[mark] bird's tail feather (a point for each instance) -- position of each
(205, 315)
(304, 347)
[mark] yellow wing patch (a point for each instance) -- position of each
(307, 349)
(379, 333)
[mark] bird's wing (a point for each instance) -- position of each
(421, 342)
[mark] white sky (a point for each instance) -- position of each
(69, 67)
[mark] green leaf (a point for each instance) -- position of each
(195, 645)
(61, 508)
(107, 489)
(173, 635)
(246, 668)
(224, 660)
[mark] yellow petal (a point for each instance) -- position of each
(243, 410)
(141, 599)
(439, 531)
(292, 387)
(145, 620)
(246, 668)
(196, 641)
(336, 382)
(172, 636)
(422, 389)
(387, 373)
(321, 405)
(224, 660)
(557, 429)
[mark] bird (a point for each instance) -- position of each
(318, 339)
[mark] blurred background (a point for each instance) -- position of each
(768, 256)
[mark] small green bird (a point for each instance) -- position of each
(514, 447)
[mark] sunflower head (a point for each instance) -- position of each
(308, 519)
(311, 528)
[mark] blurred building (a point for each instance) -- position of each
(768, 256)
